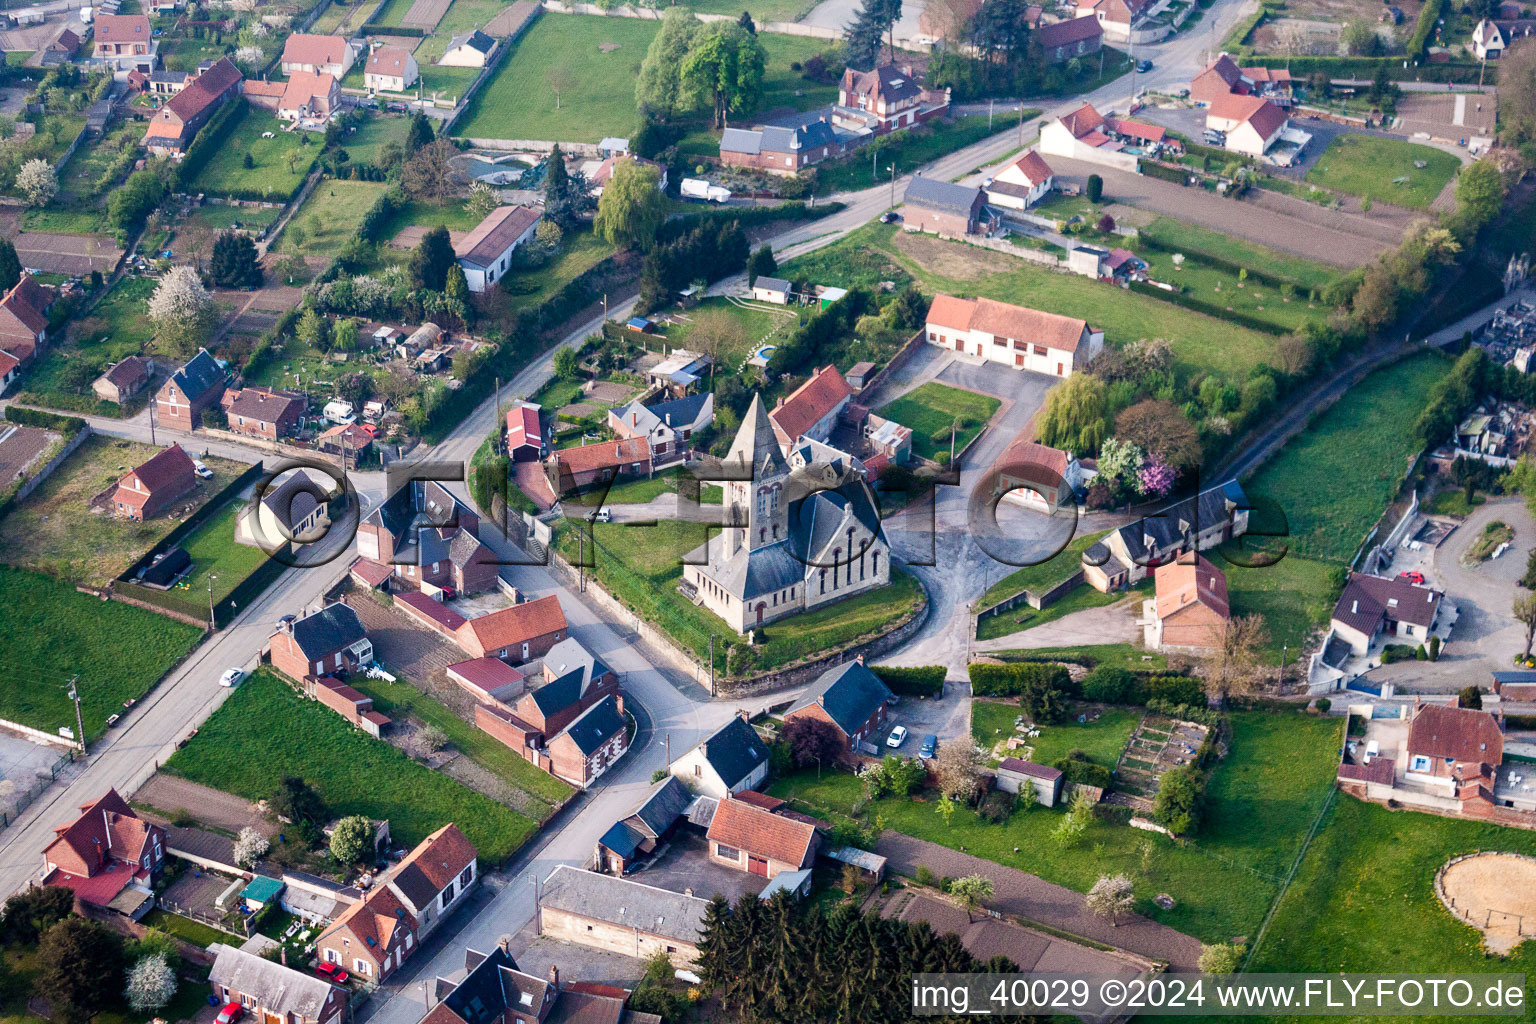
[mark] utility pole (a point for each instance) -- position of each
(712, 664)
(893, 185)
(152, 403)
(666, 745)
(497, 425)
(581, 561)
(990, 103)
(74, 695)
(212, 625)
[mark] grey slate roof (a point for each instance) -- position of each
(734, 751)
(702, 811)
(666, 803)
(942, 195)
(777, 284)
(493, 986)
(330, 629)
(477, 39)
(1197, 513)
(741, 140)
(623, 902)
(559, 693)
(1367, 600)
(596, 724)
(848, 693)
(294, 499)
(280, 989)
(569, 655)
(198, 374)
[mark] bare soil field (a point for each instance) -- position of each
(1496, 894)
(961, 262)
(425, 14)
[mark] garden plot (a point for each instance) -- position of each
(1157, 745)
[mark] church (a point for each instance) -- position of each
(806, 531)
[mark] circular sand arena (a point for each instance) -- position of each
(1493, 892)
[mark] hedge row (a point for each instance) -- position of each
(1177, 175)
(1208, 308)
(1429, 16)
(1011, 680)
(209, 140)
(1110, 685)
(922, 681)
(66, 425)
(1216, 262)
(746, 217)
(1084, 773)
(1364, 68)
(392, 30)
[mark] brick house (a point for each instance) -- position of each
(946, 209)
(263, 412)
(811, 410)
(274, 992)
(306, 95)
(24, 318)
(372, 937)
(732, 759)
(108, 856)
(668, 426)
(198, 385)
(148, 490)
(325, 642)
(782, 149)
(577, 469)
(525, 434)
(125, 42)
(1457, 750)
(1125, 556)
(430, 538)
(1190, 610)
(514, 634)
(1076, 37)
(435, 877)
(884, 100)
(173, 126)
(548, 709)
(620, 915)
(850, 697)
(589, 746)
(1223, 77)
(126, 378)
(758, 841)
(638, 834)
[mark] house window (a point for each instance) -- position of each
(467, 875)
(727, 852)
(1418, 763)
(448, 894)
(698, 771)
(362, 967)
(1040, 350)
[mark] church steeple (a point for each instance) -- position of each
(759, 500)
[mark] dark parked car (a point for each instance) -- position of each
(930, 746)
(1143, 66)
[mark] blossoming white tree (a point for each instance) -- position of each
(151, 983)
(182, 310)
(251, 846)
(36, 182)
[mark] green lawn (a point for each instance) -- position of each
(1369, 166)
(365, 141)
(330, 217)
(1333, 480)
(214, 553)
(599, 99)
(269, 176)
(54, 632)
(1222, 882)
(461, 17)
(1043, 575)
(1193, 238)
(641, 565)
(1226, 290)
(761, 10)
(542, 789)
(184, 928)
(1022, 616)
(223, 217)
(1295, 596)
(21, 966)
(1102, 741)
(353, 773)
(933, 411)
(640, 490)
(117, 327)
(908, 150)
(757, 326)
(1120, 655)
(579, 252)
(1199, 342)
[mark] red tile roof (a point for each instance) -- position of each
(312, 49)
(1030, 768)
(1032, 462)
(390, 61)
(107, 829)
(747, 827)
(26, 301)
(809, 403)
(1033, 166)
(205, 90)
(169, 469)
(1381, 770)
(1074, 30)
(370, 572)
(523, 427)
(123, 28)
(510, 627)
(1083, 120)
(8, 363)
(432, 609)
(948, 311)
(1188, 580)
(1460, 733)
(441, 856)
(486, 673)
(1005, 320)
(304, 86)
(379, 916)
(589, 458)
(1137, 129)
(496, 234)
(1265, 117)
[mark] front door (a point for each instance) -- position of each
(757, 865)
(759, 613)
(959, 344)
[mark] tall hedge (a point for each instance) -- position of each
(1253, 323)
(66, 425)
(924, 681)
(1429, 16)
(1011, 680)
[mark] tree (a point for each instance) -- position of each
(1237, 666)
(429, 173)
(1106, 224)
(296, 234)
(566, 196)
(351, 838)
(297, 802)
(566, 363)
(632, 206)
(1525, 613)
(1095, 188)
(482, 200)
(151, 983)
(31, 912)
(895, 775)
(1358, 39)
(1479, 192)
(725, 64)
(10, 265)
(344, 338)
(1470, 697)
(861, 39)
(1179, 800)
(713, 332)
(972, 891)
(960, 768)
(1112, 896)
(1222, 958)
(419, 134)
(1076, 415)
(1517, 88)
(129, 205)
(761, 264)
(1042, 700)
(456, 285)
(812, 741)
(311, 328)
(81, 969)
(1161, 429)
(660, 85)
(558, 77)
(182, 311)
(234, 261)
(36, 182)
(946, 809)
(431, 259)
(250, 847)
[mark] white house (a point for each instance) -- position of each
(1026, 339)
(1022, 183)
(1081, 135)
(1252, 124)
(771, 289)
(318, 55)
(471, 50)
(390, 69)
(732, 759)
(486, 252)
(1373, 607)
(1488, 42)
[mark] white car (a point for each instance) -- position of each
(231, 677)
(201, 470)
(897, 737)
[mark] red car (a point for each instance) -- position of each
(1412, 577)
(230, 1013)
(333, 972)
(369, 429)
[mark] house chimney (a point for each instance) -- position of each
(618, 699)
(634, 419)
(859, 659)
(504, 942)
(688, 891)
(554, 977)
(282, 955)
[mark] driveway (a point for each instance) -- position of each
(1486, 636)
(948, 717)
(1113, 624)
